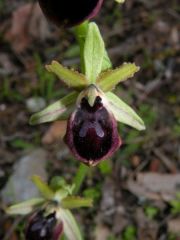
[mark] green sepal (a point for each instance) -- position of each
(76, 202)
(43, 188)
(59, 110)
(70, 77)
(124, 113)
(70, 226)
(93, 53)
(106, 64)
(110, 78)
(25, 207)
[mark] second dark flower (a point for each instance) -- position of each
(70, 13)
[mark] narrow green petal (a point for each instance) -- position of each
(25, 207)
(120, 1)
(43, 188)
(124, 113)
(94, 51)
(70, 77)
(109, 79)
(70, 226)
(59, 110)
(76, 202)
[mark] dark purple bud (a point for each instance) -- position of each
(92, 133)
(70, 13)
(43, 227)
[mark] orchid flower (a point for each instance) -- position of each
(50, 214)
(92, 110)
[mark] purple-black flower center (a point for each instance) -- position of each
(92, 130)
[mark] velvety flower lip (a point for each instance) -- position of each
(92, 133)
(43, 227)
(70, 13)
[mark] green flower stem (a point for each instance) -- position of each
(80, 33)
(80, 176)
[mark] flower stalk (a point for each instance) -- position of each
(92, 112)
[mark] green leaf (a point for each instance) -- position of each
(109, 79)
(129, 233)
(25, 207)
(80, 176)
(43, 188)
(70, 227)
(93, 53)
(59, 110)
(151, 212)
(70, 77)
(76, 202)
(105, 167)
(124, 113)
(93, 192)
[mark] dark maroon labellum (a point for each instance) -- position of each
(41, 227)
(92, 133)
(70, 13)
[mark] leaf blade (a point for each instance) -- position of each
(109, 79)
(123, 112)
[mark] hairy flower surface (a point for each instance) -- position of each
(70, 13)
